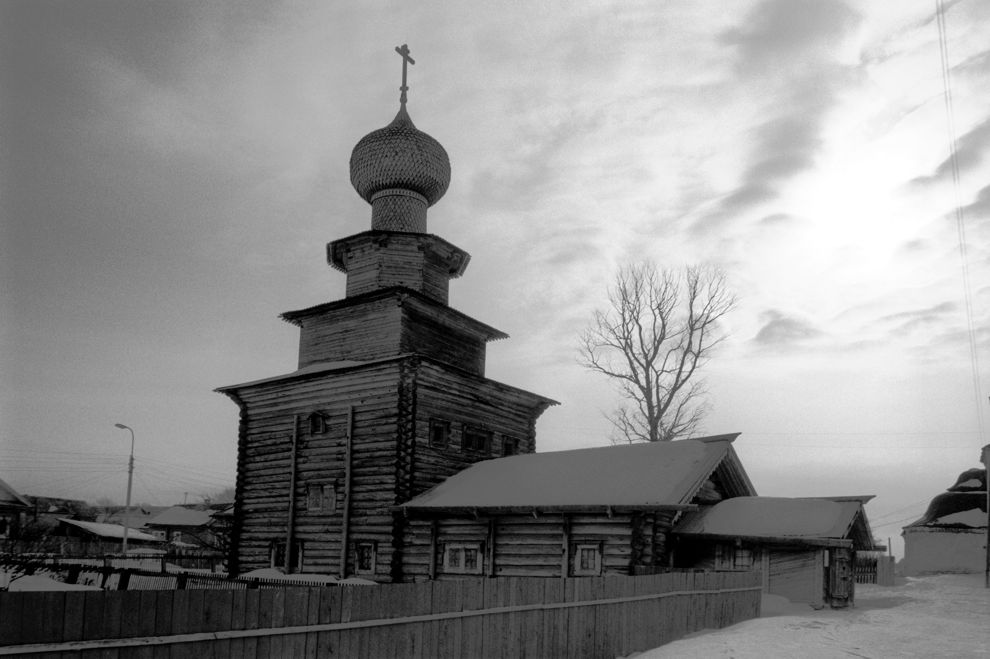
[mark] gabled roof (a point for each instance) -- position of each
(179, 516)
(9, 497)
(655, 475)
(768, 518)
(115, 531)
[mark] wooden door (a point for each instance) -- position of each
(841, 581)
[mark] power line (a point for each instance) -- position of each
(959, 215)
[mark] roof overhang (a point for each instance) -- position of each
(482, 511)
(783, 541)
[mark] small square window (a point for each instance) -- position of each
(510, 445)
(588, 560)
(439, 433)
(476, 439)
(461, 558)
(321, 498)
(317, 423)
(365, 557)
(277, 555)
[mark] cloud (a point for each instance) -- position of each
(971, 150)
(980, 207)
(786, 32)
(787, 53)
(780, 331)
(906, 322)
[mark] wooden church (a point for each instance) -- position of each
(387, 454)
(389, 396)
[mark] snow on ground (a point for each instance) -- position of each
(933, 616)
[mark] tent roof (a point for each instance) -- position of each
(656, 475)
(835, 518)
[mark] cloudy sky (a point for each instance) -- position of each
(172, 172)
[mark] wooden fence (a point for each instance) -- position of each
(503, 617)
(875, 568)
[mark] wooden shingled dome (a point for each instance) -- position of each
(400, 171)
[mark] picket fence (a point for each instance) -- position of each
(502, 617)
(875, 568)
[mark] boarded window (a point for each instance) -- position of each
(462, 558)
(365, 557)
(476, 439)
(439, 433)
(588, 560)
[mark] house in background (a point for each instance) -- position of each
(805, 547)
(952, 534)
(91, 538)
(13, 507)
(184, 527)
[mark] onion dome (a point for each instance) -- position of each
(401, 171)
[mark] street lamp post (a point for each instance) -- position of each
(130, 477)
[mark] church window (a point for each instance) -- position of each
(321, 498)
(365, 557)
(588, 560)
(317, 423)
(510, 445)
(462, 558)
(277, 555)
(476, 439)
(439, 433)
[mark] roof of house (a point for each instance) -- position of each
(180, 516)
(806, 519)
(649, 475)
(109, 530)
(10, 497)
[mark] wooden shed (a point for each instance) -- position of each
(585, 512)
(805, 547)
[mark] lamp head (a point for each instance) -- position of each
(121, 426)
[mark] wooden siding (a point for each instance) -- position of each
(265, 466)
(440, 337)
(360, 332)
(524, 545)
(465, 400)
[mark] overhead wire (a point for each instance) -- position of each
(959, 214)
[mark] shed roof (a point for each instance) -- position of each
(655, 475)
(833, 518)
(180, 516)
(109, 530)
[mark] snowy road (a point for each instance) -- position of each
(935, 616)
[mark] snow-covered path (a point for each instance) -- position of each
(934, 616)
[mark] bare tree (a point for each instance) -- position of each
(660, 327)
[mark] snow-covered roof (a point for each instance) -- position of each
(778, 517)
(109, 530)
(179, 516)
(10, 497)
(660, 474)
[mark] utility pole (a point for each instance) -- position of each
(130, 478)
(985, 459)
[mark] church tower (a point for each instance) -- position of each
(389, 396)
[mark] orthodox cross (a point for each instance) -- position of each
(403, 50)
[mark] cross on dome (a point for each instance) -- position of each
(403, 50)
